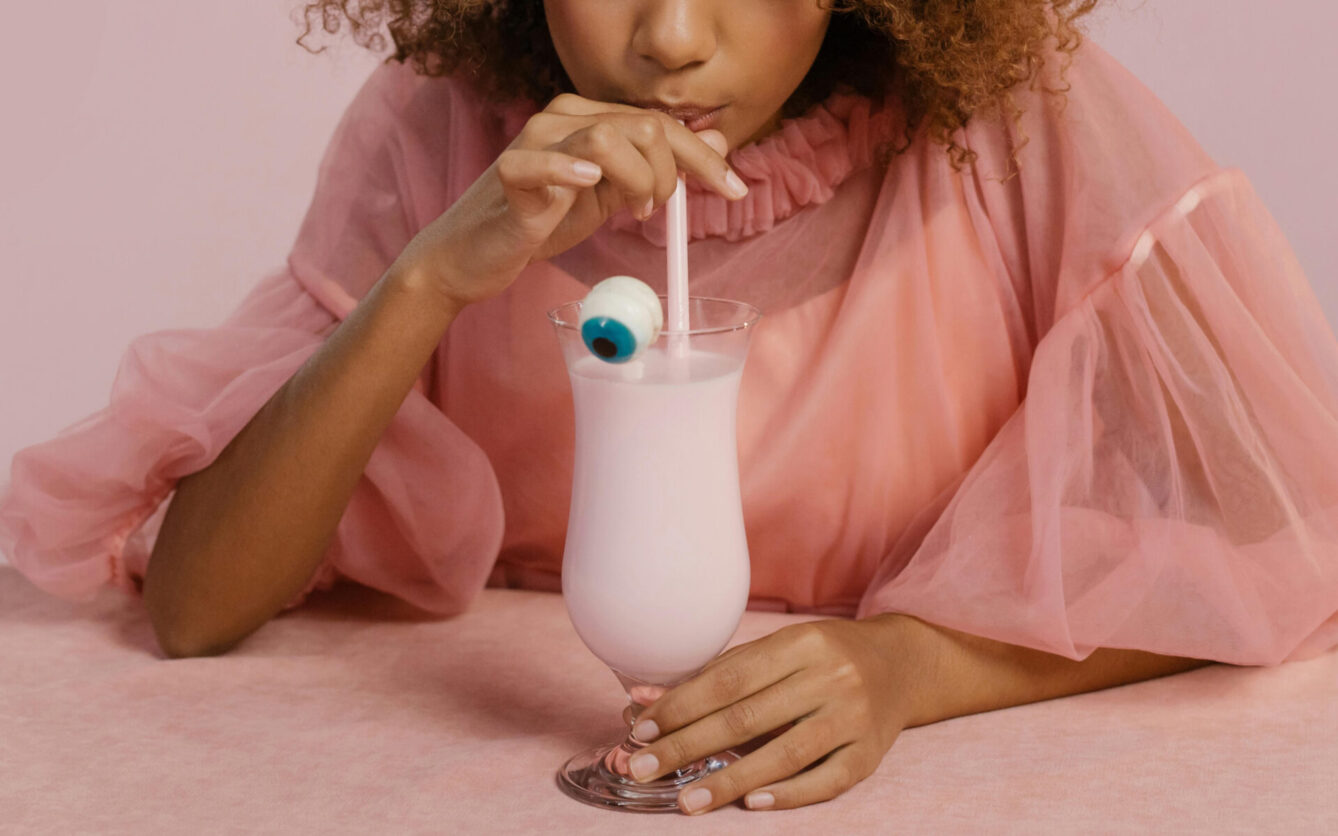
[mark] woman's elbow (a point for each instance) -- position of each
(178, 643)
(180, 632)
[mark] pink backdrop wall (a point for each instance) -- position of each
(158, 162)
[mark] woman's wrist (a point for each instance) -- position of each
(410, 279)
(920, 651)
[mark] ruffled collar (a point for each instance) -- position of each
(799, 164)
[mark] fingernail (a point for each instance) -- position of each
(696, 798)
(587, 171)
(646, 731)
(759, 800)
(644, 765)
(734, 185)
(650, 207)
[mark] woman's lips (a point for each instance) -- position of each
(699, 121)
(695, 118)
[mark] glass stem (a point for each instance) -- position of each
(639, 695)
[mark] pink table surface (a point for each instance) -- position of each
(357, 714)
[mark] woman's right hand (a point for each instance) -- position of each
(535, 201)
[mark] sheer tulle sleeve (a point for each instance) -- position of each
(425, 521)
(1170, 482)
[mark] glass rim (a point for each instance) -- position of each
(751, 319)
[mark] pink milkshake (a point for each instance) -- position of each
(655, 571)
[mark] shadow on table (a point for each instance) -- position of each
(520, 672)
(350, 601)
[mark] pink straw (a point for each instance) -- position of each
(678, 258)
(677, 253)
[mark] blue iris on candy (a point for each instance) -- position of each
(608, 338)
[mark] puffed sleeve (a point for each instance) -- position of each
(1170, 481)
(425, 520)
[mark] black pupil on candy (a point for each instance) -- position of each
(604, 347)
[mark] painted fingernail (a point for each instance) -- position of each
(735, 185)
(696, 799)
(759, 800)
(587, 171)
(646, 731)
(644, 765)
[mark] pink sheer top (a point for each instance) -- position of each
(1094, 404)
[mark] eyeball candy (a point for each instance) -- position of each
(620, 318)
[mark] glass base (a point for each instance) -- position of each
(600, 777)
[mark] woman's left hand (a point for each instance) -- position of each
(848, 687)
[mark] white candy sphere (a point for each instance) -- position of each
(620, 318)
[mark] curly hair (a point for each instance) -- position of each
(945, 60)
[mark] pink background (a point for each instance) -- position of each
(158, 157)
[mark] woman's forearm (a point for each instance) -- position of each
(242, 537)
(967, 674)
